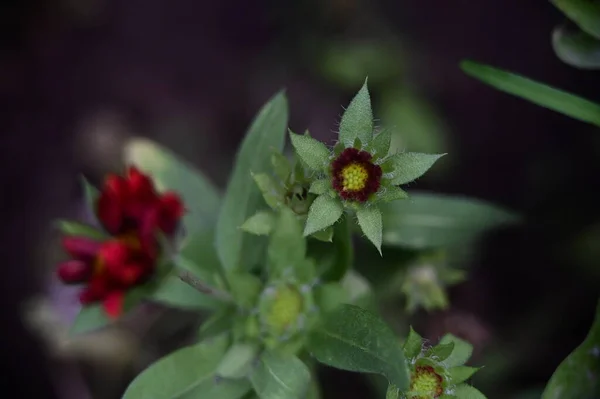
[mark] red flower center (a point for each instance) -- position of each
(354, 176)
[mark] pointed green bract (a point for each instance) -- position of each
(585, 13)
(334, 260)
(169, 172)
(380, 145)
(577, 49)
(287, 246)
(357, 121)
(270, 190)
(461, 353)
(324, 235)
(413, 344)
(281, 165)
(353, 339)
(464, 391)
(91, 195)
(261, 223)
(71, 228)
(90, 318)
(460, 374)
(312, 152)
(578, 375)
(392, 193)
(441, 351)
(237, 249)
(280, 376)
(371, 224)
(320, 186)
(323, 212)
(409, 166)
(538, 93)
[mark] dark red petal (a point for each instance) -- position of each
(114, 254)
(170, 212)
(74, 271)
(130, 274)
(81, 248)
(96, 290)
(113, 303)
(141, 188)
(110, 212)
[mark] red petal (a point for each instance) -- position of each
(171, 211)
(96, 290)
(130, 274)
(110, 212)
(74, 271)
(113, 303)
(140, 186)
(113, 255)
(82, 248)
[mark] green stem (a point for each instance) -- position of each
(202, 287)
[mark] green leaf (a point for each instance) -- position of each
(441, 351)
(324, 235)
(218, 323)
(357, 120)
(198, 255)
(381, 143)
(369, 220)
(577, 49)
(538, 93)
(281, 166)
(312, 152)
(329, 296)
(430, 220)
(271, 191)
(320, 186)
(578, 375)
(242, 199)
(353, 339)
(245, 288)
(409, 166)
(460, 374)
(91, 195)
(280, 376)
(585, 13)
(358, 289)
(200, 196)
(187, 373)
(237, 362)
(90, 318)
(392, 193)
(261, 223)
(464, 391)
(287, 246)
(392, 392)
(175, 293)
(323, 212)
(70, 228)
(413, 344)
(461, 353)
(334, 259)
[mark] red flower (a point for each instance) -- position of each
(132, 211)
(354, 176)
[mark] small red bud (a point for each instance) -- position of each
(81, 247)
(74, 271)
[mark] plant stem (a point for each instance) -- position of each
(202, 287)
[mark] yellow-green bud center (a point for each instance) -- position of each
(425, 383)
(285, 308)
(354, 177)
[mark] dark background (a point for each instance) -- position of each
(79, 77)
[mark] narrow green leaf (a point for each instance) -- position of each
(537, 93)
(71, 228)
(353, 339)
(413, 344)
(441, 351)
(464, 391)
(392, 193)
(461, 353)
(187, 373)
(409, 166)
(578, 376)
(242, 199)
(271, 191)
(577, 49)
(334, 260)
(430, 220)
(90, 318)
(329, 296)
(323, 212)
(237, 361)
(320, 186)
(261, 223)
(281, 166)
(460, 374)
(91, 195)
(585, 13)
(199, 256)
(357, 120)
(381, 143)
(369, 220)
(280, 376)
(287, 246)
(312, 152)
(169, 172)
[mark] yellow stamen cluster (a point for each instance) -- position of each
(286, 307)
(425, 383)
(354, 177)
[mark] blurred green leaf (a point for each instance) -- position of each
(462, 350)
(577, 48)
(441, 351)
(464, 391)
(430, 220)
(353, 339)
(201, 198)
(585, 13)
(335, 258)
(413, 344)
(175, 293)
(578, 376)
(91, 195)
(357, 120)
(261, 223)
(90, 318)
(218, 323)
(235, 248)
(460, 374)
(237, 361)
(71, 228)
(329, 296)
(538, 93)
(271, 192)
(280, 376)
(287, 246)
(186, 374)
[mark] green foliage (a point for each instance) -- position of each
(369, 220)
(280, 376)
(89, 318)
(585, 13)
(71, 228)
(411, 165)
(576, 48)
(324, 212)
(357, 120)
(538, 93)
